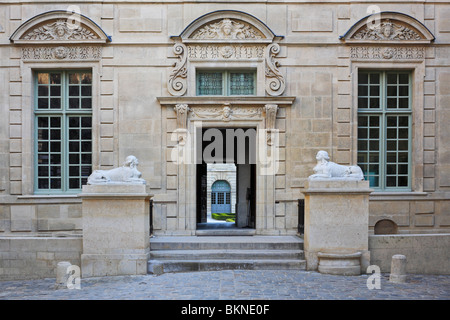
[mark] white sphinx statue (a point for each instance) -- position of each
(325, 169)
(126, 174)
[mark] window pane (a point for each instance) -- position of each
(55, 78)
(363, 78)
(242, 83)
(209, 83)
(43, 78)
(42, 91)
(363, 91)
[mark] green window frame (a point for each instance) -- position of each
(63, 130)
(225, 82)
(384, 128)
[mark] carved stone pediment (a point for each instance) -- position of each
(59, 27)
(388, 28)
(227, 29)
(59, 30)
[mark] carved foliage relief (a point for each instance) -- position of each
(226, 29)
(59, 30)
(387, 30)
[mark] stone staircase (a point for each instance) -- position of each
(207, 253)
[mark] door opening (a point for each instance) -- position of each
(226, 178)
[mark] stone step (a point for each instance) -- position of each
(225, 254)
(228, 264)
(203, 253)
(226, 243)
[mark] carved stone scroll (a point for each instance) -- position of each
(178, 77)
(275, 83)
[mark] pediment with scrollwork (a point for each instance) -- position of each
(225, 36)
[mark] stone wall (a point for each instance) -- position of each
(425, 253)
(36, 257)
(133, 70)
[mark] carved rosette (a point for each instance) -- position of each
(178, 77)
(275, 83)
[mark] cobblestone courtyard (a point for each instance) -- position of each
(233, 285)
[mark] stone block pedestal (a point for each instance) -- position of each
(336, 238)
(115, 230)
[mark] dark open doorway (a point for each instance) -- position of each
(228, 145)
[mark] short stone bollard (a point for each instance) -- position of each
(398, 269)
(61, 274)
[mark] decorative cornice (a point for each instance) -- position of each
(256, 101)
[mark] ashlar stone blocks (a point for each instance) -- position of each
(115, 230)
(336, 224)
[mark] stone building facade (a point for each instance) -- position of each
(83, 86)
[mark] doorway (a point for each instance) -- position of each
(235, 146)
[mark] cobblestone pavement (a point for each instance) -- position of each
(232, 285)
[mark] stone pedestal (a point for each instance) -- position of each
(336, 225)
(115, 230)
